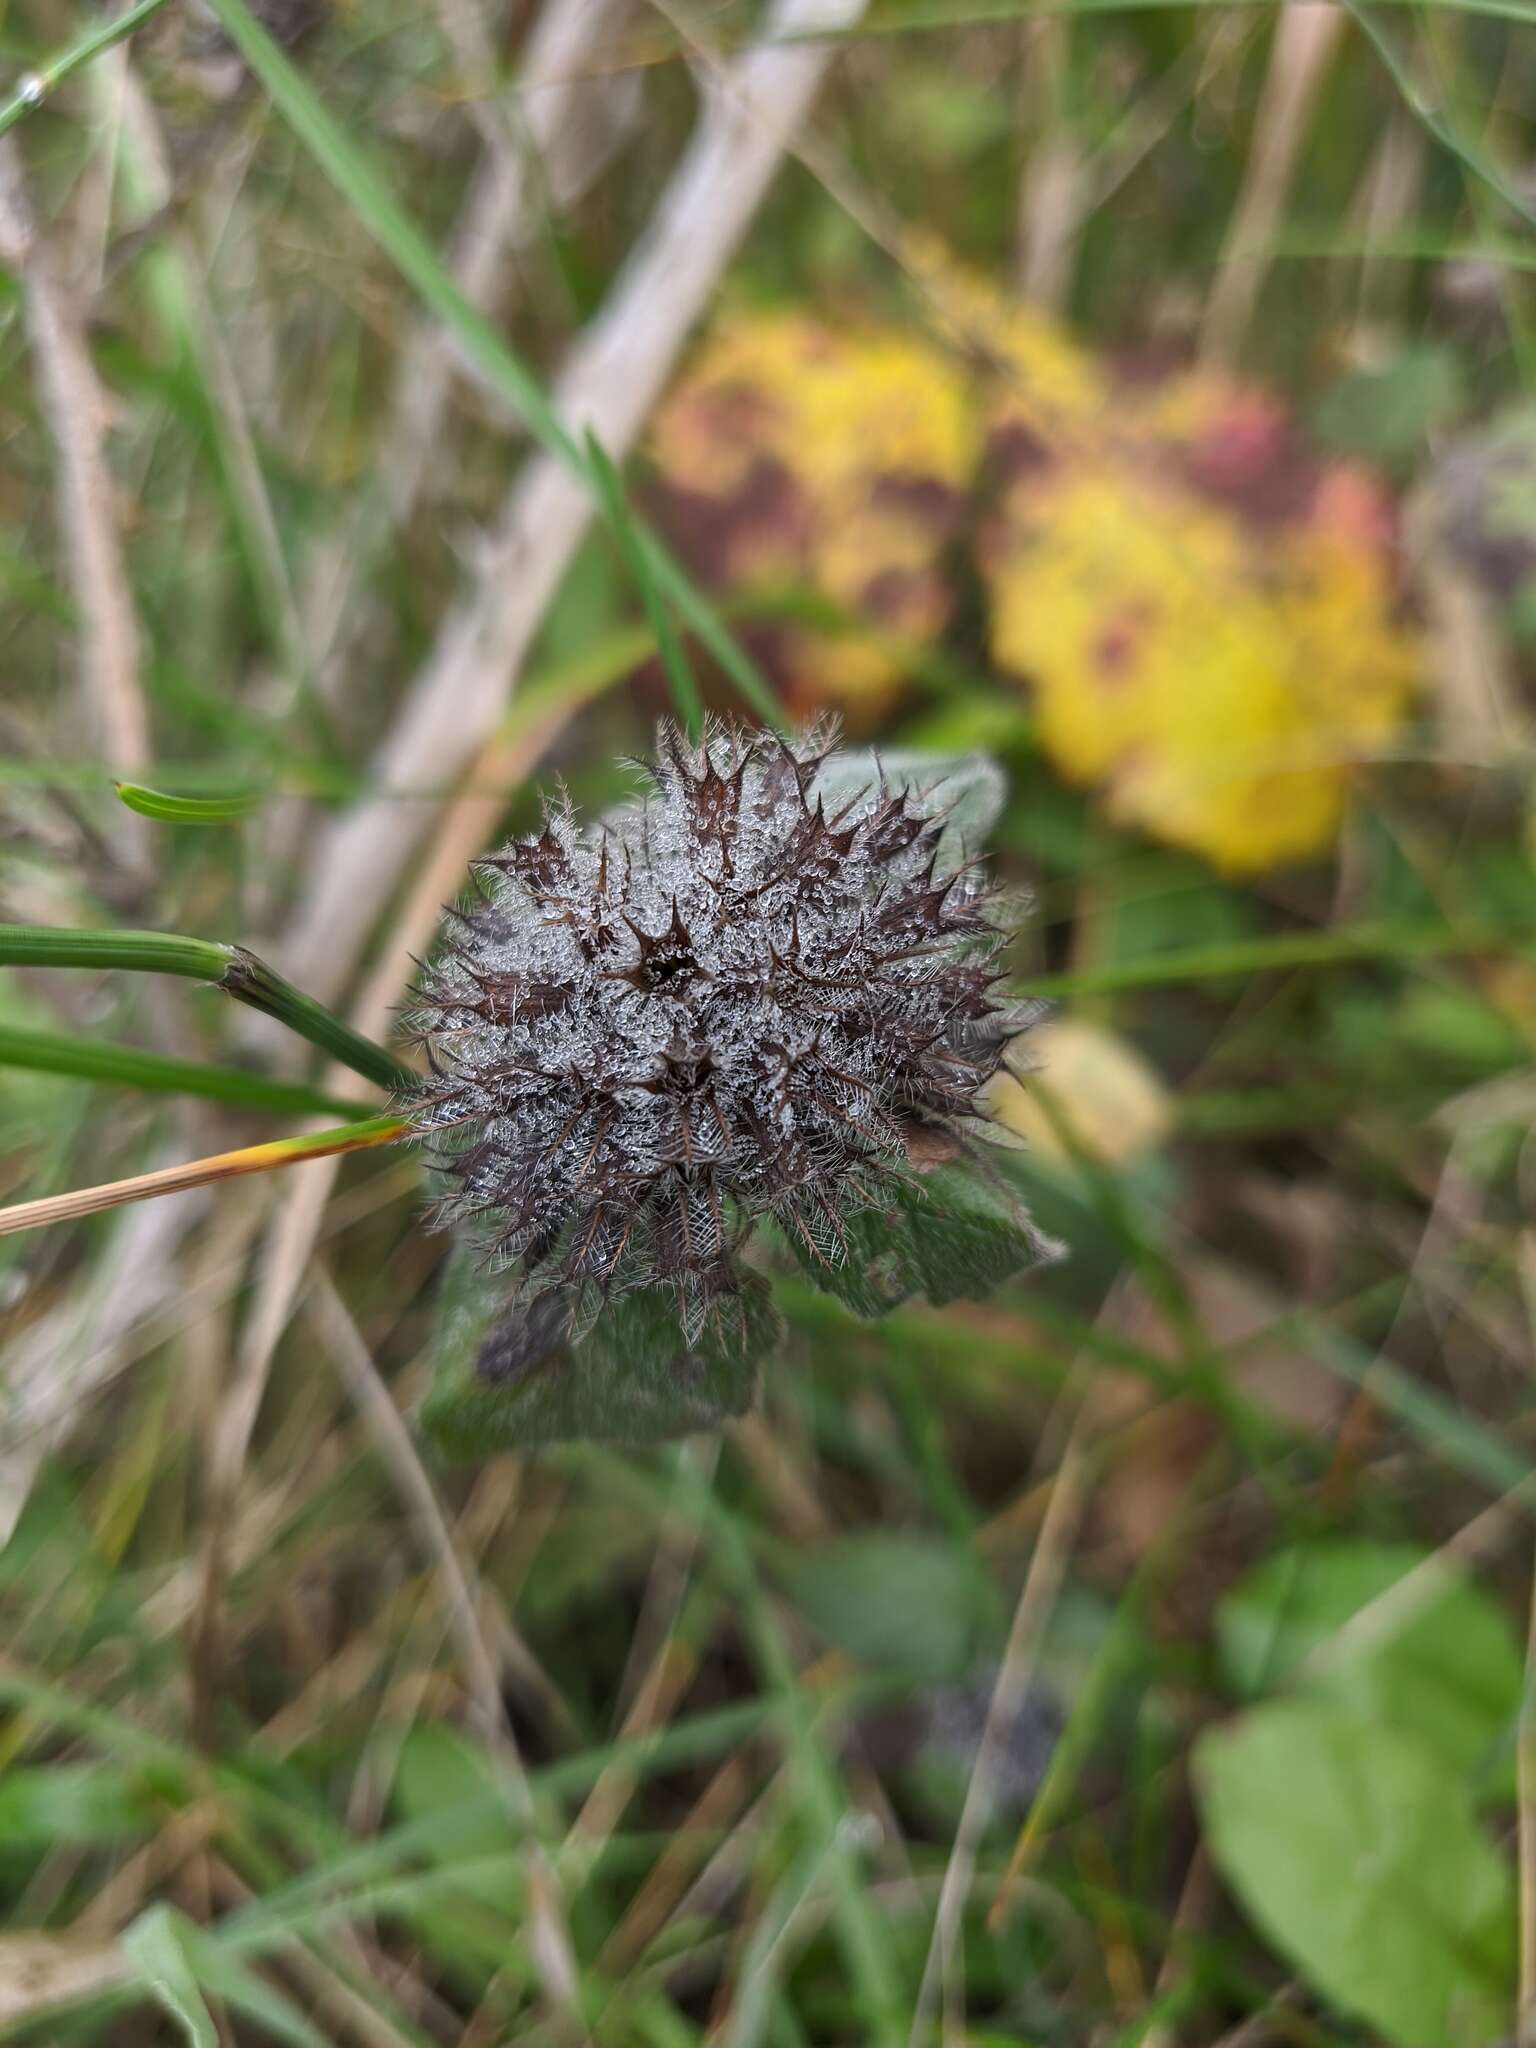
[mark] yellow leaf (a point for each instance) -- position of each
(1092, 1081)
(832, 460)
(1204, 614)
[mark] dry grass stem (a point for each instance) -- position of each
(172, 1180)
(371, 1397)
(614, 376)
(1037, 1597)
(77, 411)
(1051, 186)
(1306, 36)
(569, 123)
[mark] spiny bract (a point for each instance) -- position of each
(740, 997)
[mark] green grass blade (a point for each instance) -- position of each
(228, 1980)
(1418, 104)
(253, 982)
(125, 1066)
(1462, 1440)
(176, 1960)
(674, 658)
(26, 945)
(38, 84)
(354, 175)
(709, 628)
(864, 1936)
(207, 391)
(155, 1948)
(1242, 957)
(238, 973)
(184, 810)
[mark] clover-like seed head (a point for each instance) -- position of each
(737, 998)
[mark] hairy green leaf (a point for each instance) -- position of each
(510, 1377)
(909, 1604)
(865, 1262)
(1356, 1850)
(965, 1240)
(943, 1234)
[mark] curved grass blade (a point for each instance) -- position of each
(197, 1173)
(154, 1947)
(36, 86)
(1245, 957)
(674, 657)
(178, 1961)
(237, 972)
(125, 1066)
(185, 810)
(36, 945)
(356, 177)
(1420, 105)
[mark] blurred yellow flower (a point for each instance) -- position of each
(1204, 615)
(1203, 611)
(831, 462)
(1093, 1089)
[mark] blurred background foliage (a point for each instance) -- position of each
(1137, 393)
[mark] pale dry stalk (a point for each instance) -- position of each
(76, 410)
(616, 372)
(170, 1180)
(1472, 671)
(1051, 187)
(1042, 1586)
(570, 119)
(371, 1397)
(1384, 207)
(1306, 36)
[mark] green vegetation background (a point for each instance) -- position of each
(1221, 1531)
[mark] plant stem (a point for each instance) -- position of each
(27, 945)
(674, 657)
(253, 982)
(196, 1173)
(1334, 948)
(238, 973)
(169, 809)
(38, 84)
(353, 172)
(87, 1059)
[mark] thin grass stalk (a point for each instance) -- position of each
(197, 1173)
(674, 657)
(355, 176)
(1246, 957)
(233, 969)
(36, 86)
(126, 1066)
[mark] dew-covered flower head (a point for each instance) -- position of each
(762, 990)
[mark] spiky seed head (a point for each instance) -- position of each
(732, 1000)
